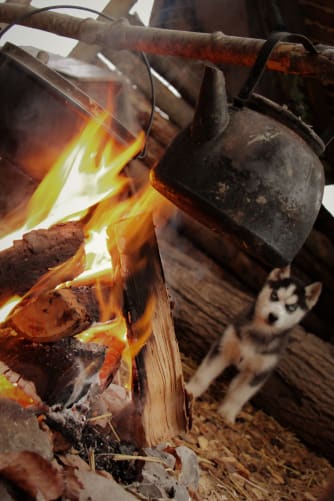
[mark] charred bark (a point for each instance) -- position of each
(28, 259)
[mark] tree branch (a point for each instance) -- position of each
(215, 47)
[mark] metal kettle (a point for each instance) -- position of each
(250, 169)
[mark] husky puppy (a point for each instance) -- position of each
(255, 341)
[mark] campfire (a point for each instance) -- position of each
(86, 329)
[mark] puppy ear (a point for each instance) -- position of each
(312, 293)
(280, 273)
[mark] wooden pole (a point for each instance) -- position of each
(215, 47)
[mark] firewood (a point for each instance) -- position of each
(159, 409)
(61, 372)
(159, 388)
(55, 314)
(28, 259)
(206, 299)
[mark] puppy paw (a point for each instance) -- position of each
(194, 389)
(228, 413)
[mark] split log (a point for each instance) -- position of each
(55, 314)
(159, 394)
(28, 259)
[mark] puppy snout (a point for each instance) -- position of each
(272, 318)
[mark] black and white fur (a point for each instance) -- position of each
(255, 341)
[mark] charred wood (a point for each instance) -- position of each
(159, 391)
(28, 259)
(62, 372)
(55, 314)
(159, 407)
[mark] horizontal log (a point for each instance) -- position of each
(55, 314)
(251, 273)
(61, 372)
(28, 259)
(300, 393)
(216, 47)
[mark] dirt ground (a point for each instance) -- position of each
(255, 459)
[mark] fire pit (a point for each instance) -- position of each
(87, 340)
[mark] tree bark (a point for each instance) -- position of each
(216, 47)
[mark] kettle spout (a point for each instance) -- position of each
(211, 115)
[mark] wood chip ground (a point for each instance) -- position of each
(255, 459)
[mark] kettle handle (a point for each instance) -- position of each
(263, 56)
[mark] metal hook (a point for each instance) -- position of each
(262, 58)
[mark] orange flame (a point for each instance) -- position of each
(13, 392)
(88, 174)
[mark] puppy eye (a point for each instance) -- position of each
(274, 296)
(291, 307)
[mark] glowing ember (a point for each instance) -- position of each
(87, 181)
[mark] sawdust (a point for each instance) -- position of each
(255, 459)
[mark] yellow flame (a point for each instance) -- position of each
(88, 174)
(83, 176)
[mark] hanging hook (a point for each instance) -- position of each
(262, 58)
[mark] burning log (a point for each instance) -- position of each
(62, 372)
(55, 314)
(28, 259)
(158, 408)
(159, 382)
